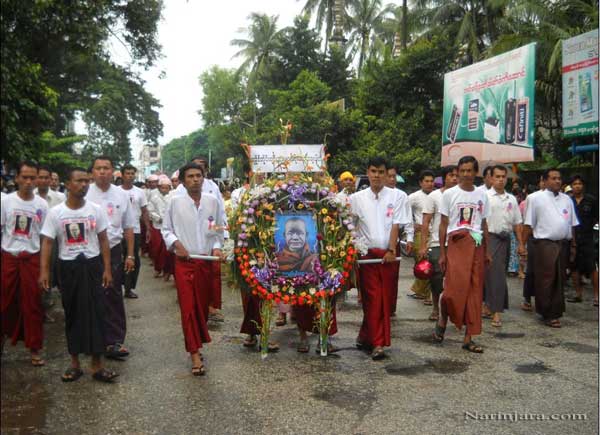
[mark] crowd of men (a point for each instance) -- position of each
(87, 242)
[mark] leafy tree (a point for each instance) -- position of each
(56, 58)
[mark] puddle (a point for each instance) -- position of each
(440, 366)
(354, 399)
(535, 368)
(503, 335)
(580, 348)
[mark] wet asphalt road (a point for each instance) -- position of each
(421, 388)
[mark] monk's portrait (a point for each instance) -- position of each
(74, 234)
(22, 225)
(465, 216)
(296, 255)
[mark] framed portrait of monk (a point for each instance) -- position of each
(295, 243)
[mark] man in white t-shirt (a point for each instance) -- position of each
(79, 229)
(379, 212)
(138, 201)
(421, 287)
(505, 218)
(487, 179)
(22, 216)
(43, 190)
(407, 229)
(53, 198)
(464, 210)
(209, 186)
(550, 216)
(115, 202)
(193, 225)
(430, 237)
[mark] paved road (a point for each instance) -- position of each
(421, 388)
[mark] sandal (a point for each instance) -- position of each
(428, 302)
(415, 296)
(496, 323)
(198, 371)
(104, 375)
(378, 354)
(37, 361)
(575, 299)
(271, 347)
(554, 323)
(526, 306)
(303, 346)
(116, 352)
(250, 342)
(281, 320)
(472, 347)
(438, 334)
(434, 317)
(72, 374)
(596, 303)
(330, 348)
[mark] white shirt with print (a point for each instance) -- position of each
(21, 223)
(115, 202)
(138, 200)
(76, 230)
(465, 209)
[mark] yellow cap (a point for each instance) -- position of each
(346, 175)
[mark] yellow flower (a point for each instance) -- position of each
(324, 211)
(323, 257)
(300, 205)
(342, 254)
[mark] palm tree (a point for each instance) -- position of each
(326, 16)
(476, 23)
(257, 50)
(366, 16)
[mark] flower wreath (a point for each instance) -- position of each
(254, 226)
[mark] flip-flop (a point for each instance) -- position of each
(105, 375)
(575, 299)
(414, 296)
(378, 354)
(434, 317)
(526, 306)
(472, 347)
(496, 323)
(554, 323)
(37, 362)
(250, 342)
(438, 334)
(198, 371)
(428, 302)
(303, 346)
(71, 374)
(271, 347)
(595, 303)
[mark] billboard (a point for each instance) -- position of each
(580, 85)
(489, 109)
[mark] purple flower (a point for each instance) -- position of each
(243, 236)
(250, 210)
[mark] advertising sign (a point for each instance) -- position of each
(580, 85)
(489, 108)
(287, 158)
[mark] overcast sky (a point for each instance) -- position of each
(195, 35)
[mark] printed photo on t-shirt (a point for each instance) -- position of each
(465, 215)
(75, 232)
(22, 225)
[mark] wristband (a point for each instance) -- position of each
(130, 257)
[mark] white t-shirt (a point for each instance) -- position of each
(417, 201)
(21, 223)
(137, 199)
(504, 212)
(76, 230)
(53, 197)
(551, 216)
(376, 214)
(432, 206)
(208, 186)
(199, 229)
(465, 210)
(156, 208)
(115, 202)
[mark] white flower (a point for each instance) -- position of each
(312, 290)
(361, 244)
(275, 288)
